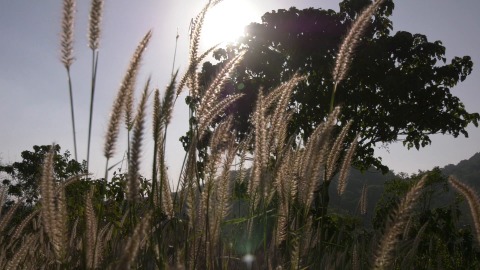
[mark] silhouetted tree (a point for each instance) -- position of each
(21, 178)
(398, 86)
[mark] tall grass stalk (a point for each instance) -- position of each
(68, 58)
(96, 10)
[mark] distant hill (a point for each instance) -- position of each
(348, 203)
(467, 171)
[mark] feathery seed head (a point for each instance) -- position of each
(67, 33)
(336, 150)
(126, 89)
(91, 229)
(473, 202)
(389, 239)
(47, 193)
(347, 161)
(134, 167)
(96, 8)
(135, 242)
(3, 196)
(349, 44)
(168, 101)
(156, 115)
(363, 200)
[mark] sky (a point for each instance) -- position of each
(34, 100)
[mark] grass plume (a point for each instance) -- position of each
(383, 253)
(67, 33)
(128, 83)
(67, 58)
(134, 167)
(94, 30)
(350, 42)
(473, 202)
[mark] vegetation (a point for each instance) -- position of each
(258, 203)
(397, 81)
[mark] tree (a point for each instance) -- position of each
(21, 178)
(398, 86)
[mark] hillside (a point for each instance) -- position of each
(467, 171)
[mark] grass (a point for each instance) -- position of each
(259, 208)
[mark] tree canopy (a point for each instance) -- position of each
(21, 178)
(398, 87)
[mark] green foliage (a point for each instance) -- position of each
(398, 85)
(21, 178)
(445, 242)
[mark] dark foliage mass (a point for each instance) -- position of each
(398, 87)
(21, 178)
(438, 234)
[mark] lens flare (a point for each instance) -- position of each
(226, 22)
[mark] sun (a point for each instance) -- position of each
(226, 21)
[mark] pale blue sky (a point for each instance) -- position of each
(34, 107)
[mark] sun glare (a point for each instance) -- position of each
(226, 21)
